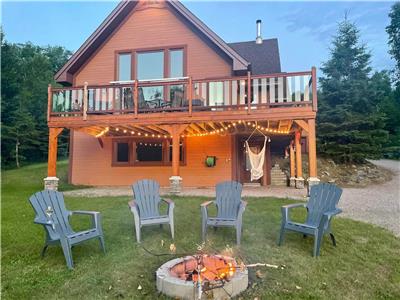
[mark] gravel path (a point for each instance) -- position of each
(376, 204)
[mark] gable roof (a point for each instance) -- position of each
(116, 17)
(264, 58)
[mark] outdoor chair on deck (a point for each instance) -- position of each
(146, 206)
(52, 214)
(230, 208)
(321, 208)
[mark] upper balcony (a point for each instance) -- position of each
(180, 100)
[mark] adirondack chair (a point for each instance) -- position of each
(230, 208)
(51, 212)
(321, 208)
(146, 206)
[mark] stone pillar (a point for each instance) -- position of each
(175, 184)
(51, 183)
(299, 168)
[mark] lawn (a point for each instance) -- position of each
(364, 265)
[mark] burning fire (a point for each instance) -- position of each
(204, 267)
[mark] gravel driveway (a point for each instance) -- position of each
(376, 204)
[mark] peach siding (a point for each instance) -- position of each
(148, 28)
(92, 164)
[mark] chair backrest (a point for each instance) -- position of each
(52, 203)
(228, 196)
(147, 197)
(323, 198)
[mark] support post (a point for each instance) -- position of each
(85, 100)
(292, 178)
(175, 131)
(135, 97)
(248, 92)
(190, 96)
(314, 88)
(312, 155)
(299, 167)
(51, 181)
(49, 101)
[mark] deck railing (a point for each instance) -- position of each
(187, 95)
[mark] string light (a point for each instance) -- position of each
(103, 132)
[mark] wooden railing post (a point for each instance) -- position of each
(248, 92)
(135, 97)
(314, 88)
(85, 100)
(49, 101)
(190, 92)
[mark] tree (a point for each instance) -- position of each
(393, 30)
(350, 127)
(26, 70)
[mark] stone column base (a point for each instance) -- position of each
(175, 184)
(299, 183)
(310, 182)
(51, 183)
(292, 181)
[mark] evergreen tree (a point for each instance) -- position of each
(393, 30)
(350, 127)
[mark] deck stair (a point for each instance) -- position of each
(278, 177)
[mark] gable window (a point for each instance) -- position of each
(124, 66)
(144, 152)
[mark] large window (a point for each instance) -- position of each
(124, 66)
(144, 152)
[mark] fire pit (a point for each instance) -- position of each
(202, 276)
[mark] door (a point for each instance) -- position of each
(256, 144)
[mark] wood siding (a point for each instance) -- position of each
(149, 28)
(92, 164)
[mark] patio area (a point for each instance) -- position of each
(365, 263)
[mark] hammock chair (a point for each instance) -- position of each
(256, 159)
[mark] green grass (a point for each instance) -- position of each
(364, 265)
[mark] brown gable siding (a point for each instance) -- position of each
(148, 28)
(92, 164)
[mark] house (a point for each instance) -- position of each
(155, 93)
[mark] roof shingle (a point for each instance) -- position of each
(264, 58)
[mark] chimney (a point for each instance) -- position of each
(258, 38)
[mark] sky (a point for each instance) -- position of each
(304, 29)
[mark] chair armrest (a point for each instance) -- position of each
(326, 217)
(171, 205)
(44, 222)
(132, 204)
(168, 201)
(84, 212)
(134, 209)
(285, 210)
(205, 204)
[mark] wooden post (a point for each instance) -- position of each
(248, 92)
(312, 148)
(190, 92)
(314, 88)
(49, 101)
(85, 100)
(52, 155)
(175, 153)
(292, 160)
(299, 168)
(135, 97)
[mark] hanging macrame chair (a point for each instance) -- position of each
(256, 161)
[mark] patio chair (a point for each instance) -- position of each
(321, 208)
(51, 212)
(146, 206)
(230, 208)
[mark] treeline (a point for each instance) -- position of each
(26, 70)
(358, 118)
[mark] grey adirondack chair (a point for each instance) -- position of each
(230, 208)
(146, 206)
(321, 208)
(51, 212)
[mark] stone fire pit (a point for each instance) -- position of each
(202, 277)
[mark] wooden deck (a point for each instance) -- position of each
(284, 96)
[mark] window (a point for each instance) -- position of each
(150, 65)
(144, 152)
(124, 66)
(176, 63)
